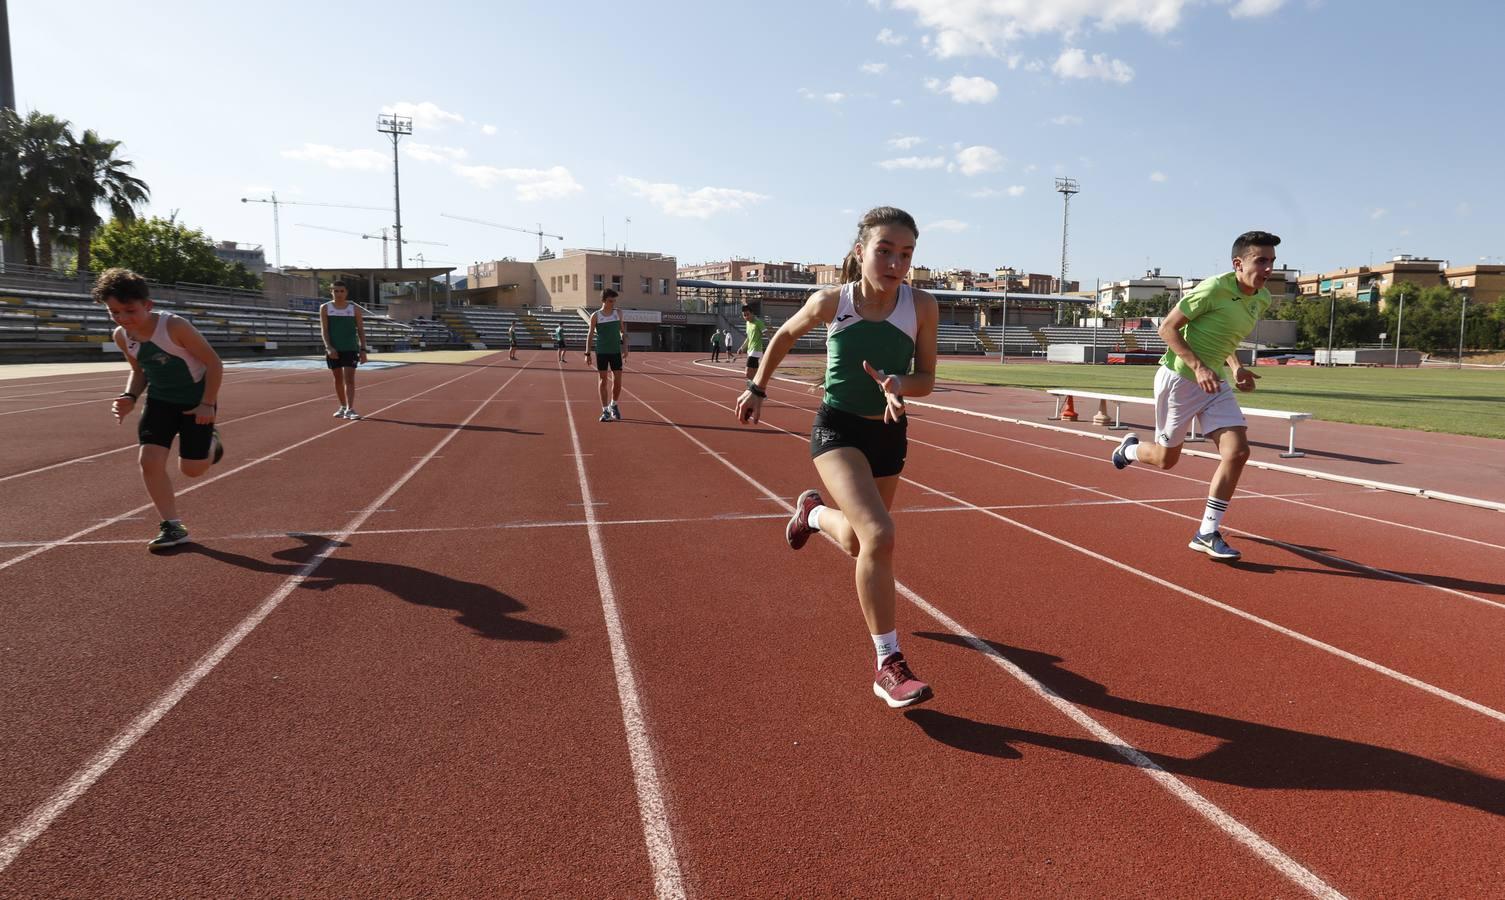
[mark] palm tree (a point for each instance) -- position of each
(31, 175)
(95, 176)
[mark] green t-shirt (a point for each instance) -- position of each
(1220, 316)
(608, 333)
(755, 336)
(342, 331)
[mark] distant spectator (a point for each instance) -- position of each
(715, 345)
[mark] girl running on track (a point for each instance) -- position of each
(880, 348)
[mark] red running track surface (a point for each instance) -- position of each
(403, 657)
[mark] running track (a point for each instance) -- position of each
(481, 643)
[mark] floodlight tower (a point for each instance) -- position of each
(396, 126)
(1065, 187)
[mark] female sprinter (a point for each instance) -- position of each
(880, 348)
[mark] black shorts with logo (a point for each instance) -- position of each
(885, 444)
(608, 360)
(345, 359)
(162, 421)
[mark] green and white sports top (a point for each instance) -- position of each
(850, 339)
(342, 332)
(173, 375)
(608, 332)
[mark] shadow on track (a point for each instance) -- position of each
(481, 608)
(452, 426)
(1251, 754)
(1332, 566)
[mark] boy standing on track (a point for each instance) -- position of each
(606, 337)
(512, 341)
(1202, 333)
(716, 345)
(343, 325)
(181, 375)
(753, 343)
(559, 340)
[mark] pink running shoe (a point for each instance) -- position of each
(798, 531)
(897, 686)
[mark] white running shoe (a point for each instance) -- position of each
(340, 413)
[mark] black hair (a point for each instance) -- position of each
(1248, 239)
(122, 285)
(608, 294)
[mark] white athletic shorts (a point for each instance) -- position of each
(1179, 400)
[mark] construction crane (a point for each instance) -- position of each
(277, 220)
(382, 236)
(538, 231)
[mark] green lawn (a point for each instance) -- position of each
(1450, 400)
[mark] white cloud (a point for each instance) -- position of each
(1249, 9)
(913, 162)
(965, 90)
(874, 68)
(1464, 208)
(886, 36)
(1157, 177)
(979, 159)
(951, 225)
(364, 159)
(1377, 213)
(488, 129)
(1066, 120)
(702, 203)
(1013, 190)
(985, 27)
(552, 183)
(904, 143)
(829, 97)
(433, 152)
(897, 102)
(1031, 168)
(425, 114)
(1073, 63)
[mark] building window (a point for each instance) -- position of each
(575, 282)
(663, 286)
(647, 285)
(599, 283)
(616, 283)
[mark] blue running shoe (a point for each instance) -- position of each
(1120, 458)
(1214, 546)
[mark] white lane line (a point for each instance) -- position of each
(228, 382)
(49, 810)
(208, 481)
(652, 808)
(1201, 598)
(1238, 831)
(69, 462)
(605, 523)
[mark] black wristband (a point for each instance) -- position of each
(125, 394)
(756, 391)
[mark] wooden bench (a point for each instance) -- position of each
(1118, 400)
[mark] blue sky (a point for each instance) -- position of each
(1355, 130)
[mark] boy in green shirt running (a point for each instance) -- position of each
(753, 343)
(1202, 333)
(180, 375)
(610, 344)
(343, 326)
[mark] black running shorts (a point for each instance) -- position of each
(885, 444)
(161, 422)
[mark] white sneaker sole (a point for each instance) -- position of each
(1198, 545)
(881, 694)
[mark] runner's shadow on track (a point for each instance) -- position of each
(1250, 754)
(481, 608)
(1337, 568)
(450, 426)
(749, 429)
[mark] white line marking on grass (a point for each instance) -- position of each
(1240, 833)
(76, 786)
(207, 481)
(1201, 598)
(652, 808)
(69, 462)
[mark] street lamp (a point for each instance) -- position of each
(1399, 318)
(1462, 319)
(396, 126)
(1332, 308)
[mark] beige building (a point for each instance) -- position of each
(1480, 284)
(1369, 283)
(575, 279)
(751, 270)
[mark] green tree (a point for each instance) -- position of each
(95, 176)
(166, 251)
(32, 179)
(1155, 306)
(1430, 318)
(1350, 322)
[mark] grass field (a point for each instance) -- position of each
(1448, 400)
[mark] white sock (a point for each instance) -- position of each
(1212, 517)
(886, 645)
(814, 518)
(1131, 453)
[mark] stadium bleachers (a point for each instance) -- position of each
(535, 327)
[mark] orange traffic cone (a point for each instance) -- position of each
(1068, 412)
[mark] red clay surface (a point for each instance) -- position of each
(433, 706)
